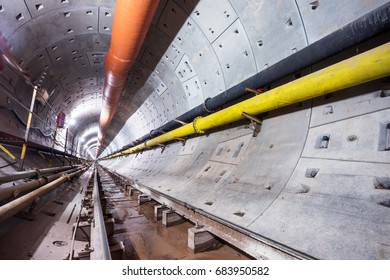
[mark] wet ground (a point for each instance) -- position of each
(146, 239)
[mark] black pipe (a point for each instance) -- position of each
(366, 27)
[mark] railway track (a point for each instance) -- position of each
(145, 224)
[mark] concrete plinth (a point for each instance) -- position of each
(158, 210)
(200, 240)
(133, 191)
(117, 251)
(143, 198)
(171, 218)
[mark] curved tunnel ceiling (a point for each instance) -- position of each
(276, 184)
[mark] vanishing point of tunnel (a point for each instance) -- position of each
(201, 129)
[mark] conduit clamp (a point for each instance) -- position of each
(255, 91)
(205, 106)
(255, 122)
(146, 145)
(179, 121)
(195, 125)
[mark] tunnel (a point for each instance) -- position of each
(263, 124)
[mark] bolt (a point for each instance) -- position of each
(388, 126)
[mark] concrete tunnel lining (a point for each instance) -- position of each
(261, 183)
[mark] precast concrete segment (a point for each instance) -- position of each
(368, 66)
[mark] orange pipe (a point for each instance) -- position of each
(132, 19)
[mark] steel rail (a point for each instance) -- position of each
(99, 240)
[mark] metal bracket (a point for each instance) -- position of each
(255, 122)
(182, 140)
(254, 91)
(162, 147)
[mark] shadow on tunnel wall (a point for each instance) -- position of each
(156, 44)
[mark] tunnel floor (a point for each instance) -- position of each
(46, 233)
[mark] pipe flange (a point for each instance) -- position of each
(195, 125)
(205, 106)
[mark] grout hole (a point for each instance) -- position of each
(239, 213)
(209, 203)
(311, 172)
(89, 28)
(89, 13)
(39, 7)
(107, 14)
(289, 22)
(70, 31)
(385, 203)
(19, 17)
(2, 8)
(303, 189)
(67, 14)
(382, 183)
(314, 5)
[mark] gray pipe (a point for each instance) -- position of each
(17, 189)
(24, 201)
(31, 173)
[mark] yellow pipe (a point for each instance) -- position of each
(362, 68)
(5, 150)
